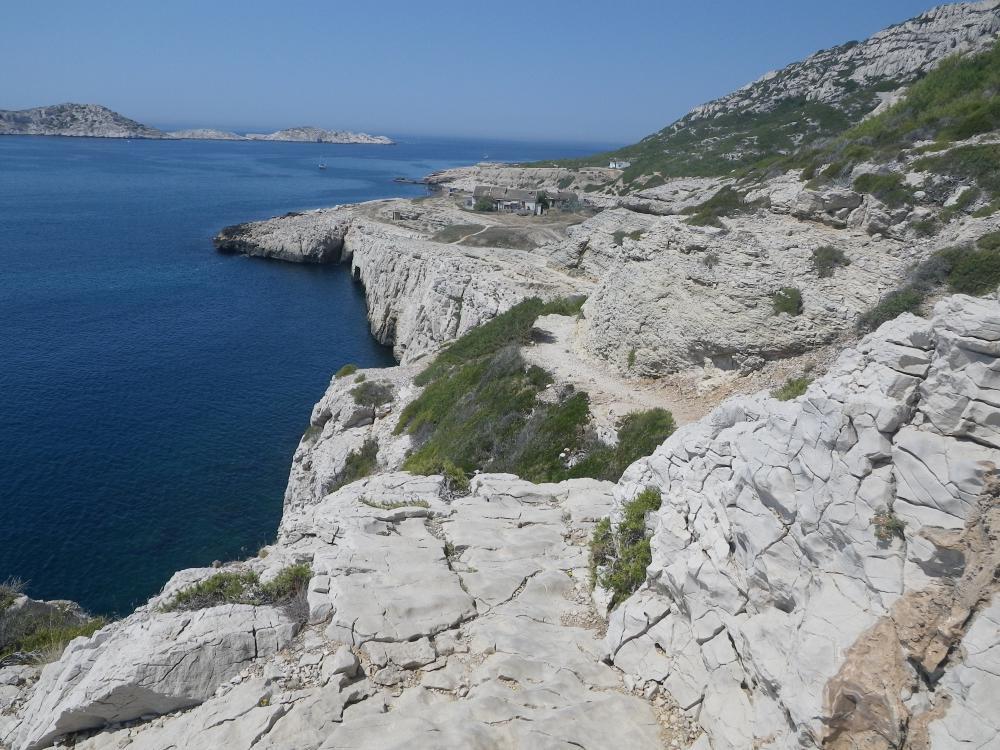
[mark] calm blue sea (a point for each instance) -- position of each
(153, 391)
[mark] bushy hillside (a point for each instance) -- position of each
(811, 102)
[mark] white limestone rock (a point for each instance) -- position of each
(772, 609)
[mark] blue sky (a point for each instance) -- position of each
(557, 70)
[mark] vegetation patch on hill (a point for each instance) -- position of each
(38, 634)
(966, 269)
(243, 587)
(620, 555)
(481, 408)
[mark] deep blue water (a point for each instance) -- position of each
(153, 391)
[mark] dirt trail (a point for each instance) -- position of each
(688, 396)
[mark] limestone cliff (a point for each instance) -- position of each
(823, 569)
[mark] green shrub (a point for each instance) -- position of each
(793, 388)
(891, 306)
(888, 188)
(348, 369)
(639, 434)
(242, 587)
(455, 479)
(710, 260)
(483, 205)
(370, 393)
(358, 464)
(975, 272)
(726, 202)
(565, 182)
(788, 299)
(990, 241)
(10, 590)
(618, 236)
(888, 525)
(826, 259)
(978, 164)
(631, 358)
(43, 637)
(623, 552)
(602, 549)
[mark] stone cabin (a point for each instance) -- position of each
(511, 200)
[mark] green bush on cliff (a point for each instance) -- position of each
(619, 556)
(348, 369)
(372, 394)
(793, 388)
(39, 634)
(242, 587)
(788, 299)
(359, 464)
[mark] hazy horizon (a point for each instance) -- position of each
(565, 73)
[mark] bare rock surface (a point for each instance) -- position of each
(778, 606)
(437, 620)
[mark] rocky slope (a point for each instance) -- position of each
(91, 120)
(779, 607)
(319, 135)
(812, 99)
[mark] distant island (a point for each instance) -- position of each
(97, 121)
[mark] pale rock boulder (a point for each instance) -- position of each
(772, 608)
(150, 663)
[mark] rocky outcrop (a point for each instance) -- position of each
(148, 664)
(340, 426)
(421, 293)
(298, 237)
(823, 570)
(319, 135)
(435, 619)
(90, 120)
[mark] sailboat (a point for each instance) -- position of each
(322, 165)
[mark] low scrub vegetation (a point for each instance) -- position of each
(38, 633)
(792, 388)
(619, 236)
(359, 464)
(243, 587)
(619, 556)
(348, 369)
(979, 165)
(372, 394)
(826, 259)
(456, 480)
(888, 188)
(726, 202)
(966, 269)
(788, 299)
(888, 525)
(480, 410)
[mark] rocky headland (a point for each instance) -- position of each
(805, 557)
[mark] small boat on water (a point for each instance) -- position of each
(322, 165)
